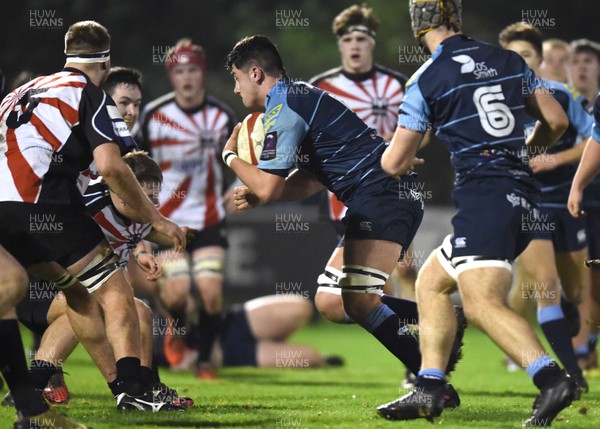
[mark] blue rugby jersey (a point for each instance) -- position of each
(591, 195)
(473, 95)
(305, 127)
(556, 183)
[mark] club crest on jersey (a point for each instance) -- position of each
(480, 70)
(270, 147)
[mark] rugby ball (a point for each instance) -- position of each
(251, 138)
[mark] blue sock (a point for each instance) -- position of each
(544, 371)
(432, 373)
(386, 326)
(556, 329)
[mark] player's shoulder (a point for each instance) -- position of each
(391, 72)
(160, 102)
(329, 74)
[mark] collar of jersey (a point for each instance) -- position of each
(359, 77)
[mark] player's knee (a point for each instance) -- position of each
(330, 306)
(144, 312)
(208, 266)
(14, 285)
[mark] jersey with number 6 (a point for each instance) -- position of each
(473, 94)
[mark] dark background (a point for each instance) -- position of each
(141, 30)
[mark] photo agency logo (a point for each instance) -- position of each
(301, 88)
(290, 288)
(40, 290)
(290, 359)
(160, 54)
(539, 18)
(289, 422)
(290, 18)
(290, 223)
(537, 222)
(413, 259)
(44, 223)
(536, 360)
(168, 328)
(412, 55)
(45, 359)
(45, 19)
(414, 191)
(529, 85)
(534, 291)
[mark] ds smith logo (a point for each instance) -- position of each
(480, 70)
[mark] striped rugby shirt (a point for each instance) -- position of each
(49, 128)
(187, 146)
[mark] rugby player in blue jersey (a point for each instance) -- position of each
(555, 256)
(308, 129)
(474, 95)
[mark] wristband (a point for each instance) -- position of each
(228, 156)
(137, 255)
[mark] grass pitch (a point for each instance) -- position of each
(346, 397)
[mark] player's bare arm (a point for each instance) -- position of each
(267, 187)
(400, 156)
(588, 168)
(121, 180)
(300, 184)
(553, 120)
(570, 156)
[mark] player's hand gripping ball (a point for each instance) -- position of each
(251, 138)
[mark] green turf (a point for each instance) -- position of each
(326, 398)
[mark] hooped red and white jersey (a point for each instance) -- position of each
(374, 96)
(49, 128)
(187, 146)
(122, 234)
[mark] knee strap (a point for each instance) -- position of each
(99, 269)
(208, 266)
(360, 279)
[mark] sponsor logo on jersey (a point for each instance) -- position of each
(270, 147)
(480, 70)
(460, 242)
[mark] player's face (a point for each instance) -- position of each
(128, 99)
(584, 71)
(187, 80)
(247, 88)
(555, 64)
(527, 52)
(357, 52)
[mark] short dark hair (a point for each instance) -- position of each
(122, 76)
(146, 170)
(86, 37)
(256, 50)
(525, 32)
(355, 15)
(585, 45)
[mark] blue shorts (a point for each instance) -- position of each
(495, 218)
(391, 211)
(593, 234)
(567, 233)
(237, 341)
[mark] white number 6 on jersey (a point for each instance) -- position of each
(495, 116)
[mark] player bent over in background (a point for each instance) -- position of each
(494, 185)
